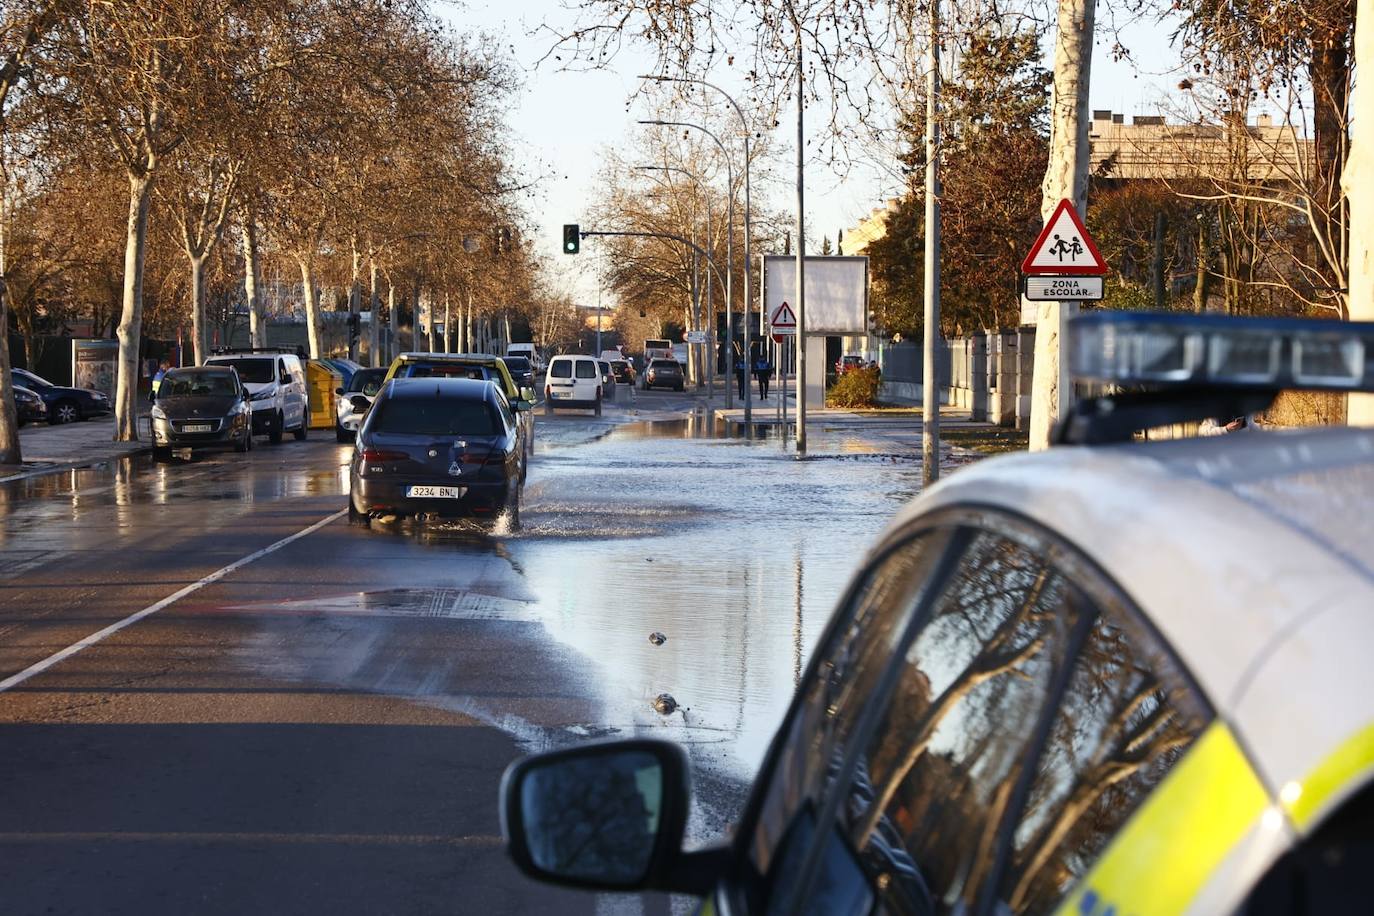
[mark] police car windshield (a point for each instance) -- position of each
(256, 369)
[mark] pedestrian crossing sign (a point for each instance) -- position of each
(1064, 247)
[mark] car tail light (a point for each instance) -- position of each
(377, 454)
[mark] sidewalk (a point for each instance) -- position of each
(49, 449)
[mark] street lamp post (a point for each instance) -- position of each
(748, 265)
(729, 257)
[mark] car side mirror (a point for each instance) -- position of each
(245, 394)
(338, 391)
(359, 402)
(527, 394)
(608, 816)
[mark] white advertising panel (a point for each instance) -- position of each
(836, 291)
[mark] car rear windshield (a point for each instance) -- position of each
(561, 368)
(444, 370)
(663, 364)
(253, 369)
(197, 385)
(367, 381)
(517, 363)
(435, 416)
(586, 368)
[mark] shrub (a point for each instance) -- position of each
(854, 388)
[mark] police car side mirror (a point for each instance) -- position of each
(527, 394)
(607, 816)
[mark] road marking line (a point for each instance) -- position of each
(39, 667)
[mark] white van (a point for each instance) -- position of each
(529, 351)
(276, 390)
(573, 381)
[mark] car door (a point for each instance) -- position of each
(1021, 718)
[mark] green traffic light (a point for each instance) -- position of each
(572, 238)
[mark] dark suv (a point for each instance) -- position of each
(664, 373)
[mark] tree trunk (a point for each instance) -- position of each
(1331, 80)
(1357, 179)
(374, 326)
(10, 451)
(312, 307)
(1157, 262)
(355, 298)
(415, 314)
(197, 307)
(1066, 176)
(395, 319)
(131, 315)
(1200, 290)
(448, 326)
(257, 326)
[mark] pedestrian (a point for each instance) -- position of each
(742, 376)
(764, 370)
(162, 370)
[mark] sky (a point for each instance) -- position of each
(562, 122)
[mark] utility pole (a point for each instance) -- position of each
(930, 382)
(801, 240)
(1066, 176)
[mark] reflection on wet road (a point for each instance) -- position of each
(397, 668)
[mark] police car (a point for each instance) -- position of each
(1114, 677)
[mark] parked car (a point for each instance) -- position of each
(275, 380)
(849, 361)
(65, 405)
(446, 447)
(354, 399)
(199, 408)
(624, 371)
(664, 373)
(1115, 676)
(521, 369)
(573, 382)
(482, 366)
(607, 377)
(28, 406)
(530, 352)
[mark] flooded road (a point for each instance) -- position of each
(203, 663)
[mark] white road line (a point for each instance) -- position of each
(15, 680)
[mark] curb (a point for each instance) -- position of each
(74, 465)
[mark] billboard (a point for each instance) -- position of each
(836, 291)
(94, 363)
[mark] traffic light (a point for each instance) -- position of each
(572, 239)
(354, 327)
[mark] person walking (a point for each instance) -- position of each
(742, 374)
(764, 370)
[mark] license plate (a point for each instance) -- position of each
(436, 492)
(559, 394)
(197, 428)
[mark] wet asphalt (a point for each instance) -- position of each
(323, 729)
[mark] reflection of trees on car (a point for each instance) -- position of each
(590, 818)
(1124, 722)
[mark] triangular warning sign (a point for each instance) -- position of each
(1064, 246)
(783, 317)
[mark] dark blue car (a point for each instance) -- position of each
(65, 405)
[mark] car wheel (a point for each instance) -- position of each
(355, 517)
(342, 434)
(598, 407)
(64, 412)
(512, 510)
(162, 453)
(245, 443)
(274, 431)
(303, 430)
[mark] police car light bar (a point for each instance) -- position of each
(1159, 349)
